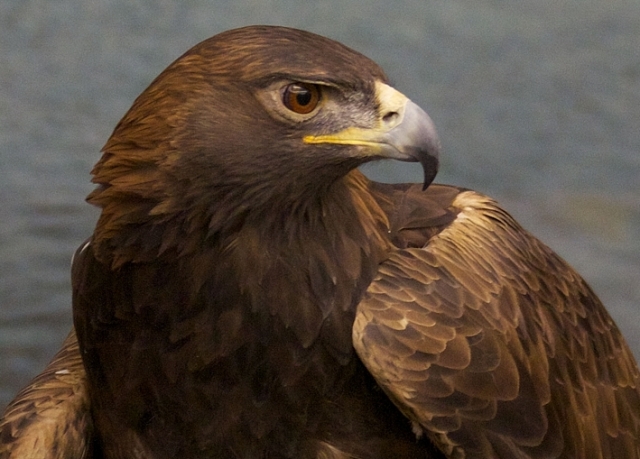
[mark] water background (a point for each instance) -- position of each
(537, 103)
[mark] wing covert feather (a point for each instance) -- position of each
(493, 344)
(50, 418)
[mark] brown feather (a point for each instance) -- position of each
(543, 352)
(50, 418)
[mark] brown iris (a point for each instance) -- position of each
(301, 98)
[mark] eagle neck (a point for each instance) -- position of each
(325, 253)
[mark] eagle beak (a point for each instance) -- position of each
(403, 131)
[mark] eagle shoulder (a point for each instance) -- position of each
(490, 342)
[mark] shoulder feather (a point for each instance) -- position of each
(495, 346)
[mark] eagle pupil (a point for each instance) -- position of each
(303, 97)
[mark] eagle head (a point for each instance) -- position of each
(247, 122)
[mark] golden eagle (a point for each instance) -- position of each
(248, 293)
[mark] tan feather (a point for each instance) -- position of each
(531, 364)
(50, 419)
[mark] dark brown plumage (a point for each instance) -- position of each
(247, 293)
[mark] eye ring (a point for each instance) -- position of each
(301, 98)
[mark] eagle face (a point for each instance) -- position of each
(270, 115)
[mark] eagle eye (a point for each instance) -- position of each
(301, 98)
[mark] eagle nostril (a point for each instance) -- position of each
(390, 119)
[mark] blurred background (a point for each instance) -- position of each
(537, 104)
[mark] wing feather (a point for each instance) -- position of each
(50, 418)
(491, 342)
